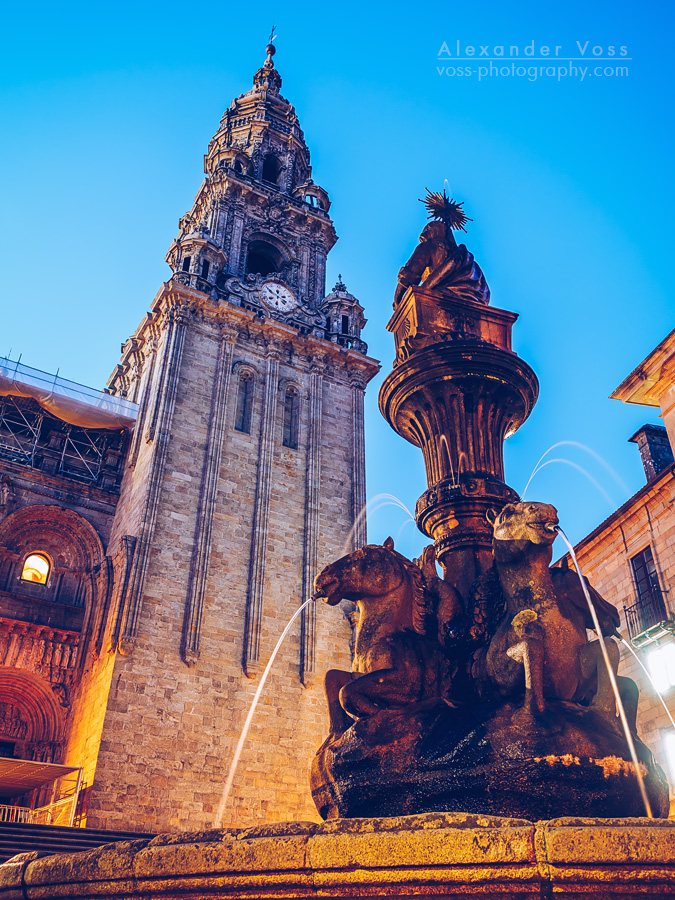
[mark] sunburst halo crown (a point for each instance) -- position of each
(443, 209)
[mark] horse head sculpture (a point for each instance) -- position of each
(397, 659)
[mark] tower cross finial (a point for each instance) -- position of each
(271, 49)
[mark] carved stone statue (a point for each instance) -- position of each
(542, 640)
(438, 261)
(397, 658)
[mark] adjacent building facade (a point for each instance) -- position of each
(630, 557)
(238, 473)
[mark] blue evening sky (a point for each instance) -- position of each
(108, 108)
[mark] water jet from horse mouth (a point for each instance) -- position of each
(610, 673)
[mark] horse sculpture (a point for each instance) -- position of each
(542, 641)
(397, 658)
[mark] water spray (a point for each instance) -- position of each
(249, 718)
(610, 671)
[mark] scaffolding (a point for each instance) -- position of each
(31, 436)
(70, 401)
(62, 427)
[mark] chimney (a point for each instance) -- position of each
(655, 449)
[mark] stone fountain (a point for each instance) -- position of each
(479, 692)
(475, 746)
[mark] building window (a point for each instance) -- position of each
(345, 324)
(36, 569)
(242, 418)
(313, 201)
(186, 264)
(291, 418)
(205, 269)
(650, 607)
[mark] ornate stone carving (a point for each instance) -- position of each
(11, 723)
(6, 494)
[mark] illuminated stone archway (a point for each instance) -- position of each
(68, 540)
(31, 715)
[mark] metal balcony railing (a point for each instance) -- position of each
(648, 620)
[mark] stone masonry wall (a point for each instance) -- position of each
(170, 729)
(85, 723)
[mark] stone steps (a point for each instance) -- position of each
(16, 838)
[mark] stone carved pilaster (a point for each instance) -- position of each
(123, 560)
(175, 323)
(201, 550)
(102, 596)
(320, 289)
(359, 535)
(254, 599)
(234, 250)
(172, 320)
(149, 366)
(312, 500)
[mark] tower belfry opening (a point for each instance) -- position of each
(271, 170)
(263, 258)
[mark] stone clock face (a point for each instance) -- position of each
(277, 296)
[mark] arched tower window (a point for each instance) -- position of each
(263, 258)
(205, 269)
(345, 324)
(271, 170)
(291, 418)
(36, 568)
(186, 263)
(242, 166)
(242, 417)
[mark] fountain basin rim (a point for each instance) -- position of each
(468, 853)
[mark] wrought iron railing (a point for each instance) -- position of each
(647, 620)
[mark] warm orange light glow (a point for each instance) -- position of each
(36, 568)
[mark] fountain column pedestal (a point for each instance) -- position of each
(456, 391)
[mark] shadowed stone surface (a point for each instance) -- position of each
(449, 758)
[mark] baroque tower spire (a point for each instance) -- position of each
(259, 230)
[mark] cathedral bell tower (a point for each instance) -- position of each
(259, 232)
(245, 475)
